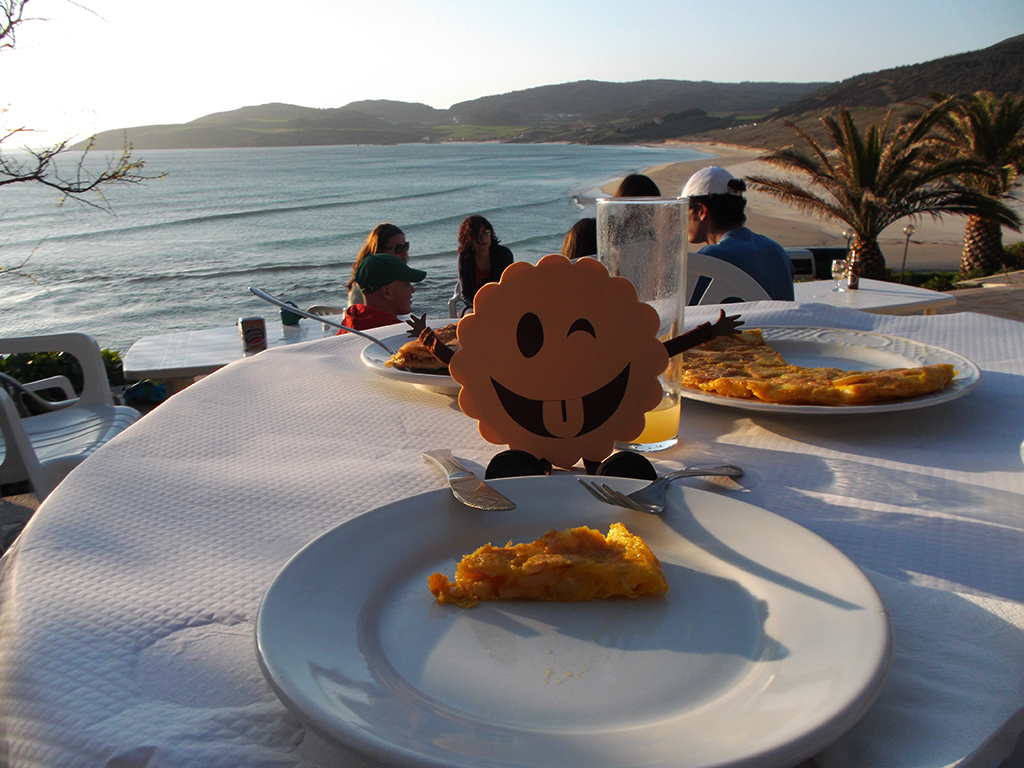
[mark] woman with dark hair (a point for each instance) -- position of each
(481, 258)
(581, 240)
(384, 238)
(637, 185)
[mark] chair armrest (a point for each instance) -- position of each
(28, 402)
(96, 386)
(53, 382)
(321, 310)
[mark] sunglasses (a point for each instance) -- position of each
(401, 248)
(483, 232)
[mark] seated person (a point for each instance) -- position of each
(384, 238)
(581, 240)
(387, 285)
(481, 258)
(637, 185)
(717, 218)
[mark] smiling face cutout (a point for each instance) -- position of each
(560, 360)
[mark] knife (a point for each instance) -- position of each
(467, 487)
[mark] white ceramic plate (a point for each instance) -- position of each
(769, 645)
(853, 351)
(374, 357)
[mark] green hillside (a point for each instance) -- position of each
(584, 111)
(594, 112)
(998, 68)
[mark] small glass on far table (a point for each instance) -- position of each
(838, 274)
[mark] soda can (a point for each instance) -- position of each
(254, 333)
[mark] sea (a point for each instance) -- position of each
(180, 252)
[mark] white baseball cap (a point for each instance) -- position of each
(712, 181)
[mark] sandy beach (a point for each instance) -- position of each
(935, 245)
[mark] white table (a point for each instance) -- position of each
(878, 296)
(127, 607)
(178, 358)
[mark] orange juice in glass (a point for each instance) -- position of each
(662, 428)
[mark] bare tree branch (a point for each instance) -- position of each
(83, 180)
(12, 13)
(43, 168)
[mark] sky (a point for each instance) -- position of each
(83, 66)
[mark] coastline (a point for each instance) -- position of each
(935, 244)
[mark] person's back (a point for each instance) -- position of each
(717, 218)
(760, 257)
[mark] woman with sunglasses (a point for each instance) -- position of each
(481, 258)
(385, 238)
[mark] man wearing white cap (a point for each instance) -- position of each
(717, 218)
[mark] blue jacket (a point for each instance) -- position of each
(760, 257)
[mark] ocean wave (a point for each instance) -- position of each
(285, 210)
(181, 254)
(492, 212)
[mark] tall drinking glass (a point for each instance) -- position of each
(643, 239)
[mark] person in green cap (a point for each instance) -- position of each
(387, 285)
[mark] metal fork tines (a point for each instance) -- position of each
(610, 496)
(651, 498)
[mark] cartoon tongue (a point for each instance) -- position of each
(563, 418)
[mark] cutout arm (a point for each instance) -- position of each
(725, 325)
(429, 339)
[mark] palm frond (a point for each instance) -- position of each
(804, 199)
(871, 178)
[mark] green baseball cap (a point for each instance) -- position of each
(379, 269)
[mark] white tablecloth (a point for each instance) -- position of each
(127, 607)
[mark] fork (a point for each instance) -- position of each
(651, 498)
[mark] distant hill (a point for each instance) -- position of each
(998, 68)
(869, 97)
(594, 112)
(593, 101)
(567, 112)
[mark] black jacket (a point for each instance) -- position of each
(501, 257)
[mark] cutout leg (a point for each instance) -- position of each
(628, 464)
(515, 463)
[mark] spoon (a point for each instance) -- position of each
(319, 318)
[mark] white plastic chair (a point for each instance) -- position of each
(453, 302)
(53, 382)
(320, 310)
(727, 281)
(43, 449)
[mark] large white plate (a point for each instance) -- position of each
(853, 351)
(769, 645)
(374, 357)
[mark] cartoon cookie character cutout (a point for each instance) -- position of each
(559, 360)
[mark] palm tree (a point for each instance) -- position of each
(989, 130)
(872, 180)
